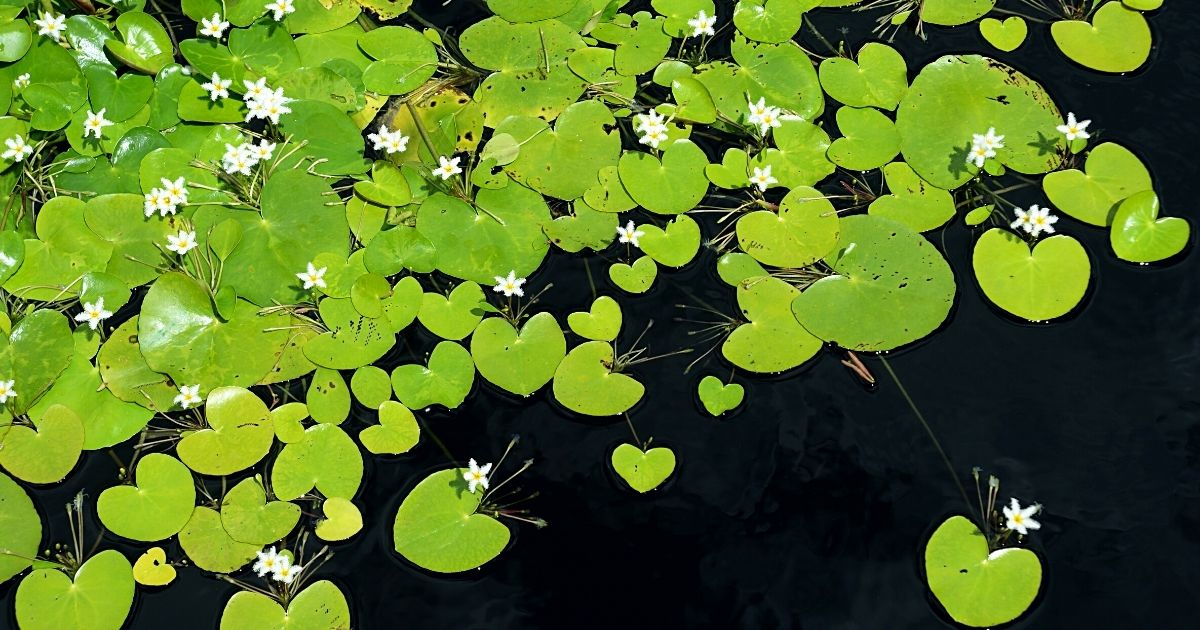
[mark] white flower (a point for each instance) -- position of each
(509, 286)
(281, 8)
(653, 136)
(52, 25)
(189, 395)
(1022, 221)
(1040, 220)
(214, 27)
(21, 82)
(95, 123)
(476, 475)
(1021, 519)
(216, 87)
(285, 571)
(702, 24)
(262, 151)
(769, 119)
(447, 168)
(313, 277)
(153, 201)
(989, 140)
(255, 109)
(93, 313)
(273, 109)
(762, 178)
(756, 111)
(1075, 129)
(7, 391)
(267, 562)
(980, 154)
(176, 190)
(256, 90)
(629, 234)
(181, 243)
(239, 159)
(240, 164)
(649, 120)
(18, 149)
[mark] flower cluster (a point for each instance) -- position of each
(264, 102)
(1034, 221)
(389, 141)
(477, 475)
(653, 128)
(245, 156)
(984, 146)
(1020, 519)
(278, 565)
(767, 117)
(167, 199)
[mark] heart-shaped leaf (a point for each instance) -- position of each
(328, 397)
(342, 520)
(152, 569)
(371, 386)
(602, 322)
(20, 528)
(878, 79)
(718, 397)
(210, 547)
(954, 12)
(250, 518)
(635, 278)
(241, 433)
(33, 355)
(913, 201)
(1138, 235)
(397, 431)
(586, 383)
(563, 162)
(1007, 35)
(772, 340)
(675, 246)
(1111, 174)
(99, 597)
(439, 528)
(671, 186)
(1038, 284)
(803, 230)
(326, 459)
(156, 507)
(978, 587)
(518, 363)
(455, 316)
(446, 381)
(504, 233)
(643, 470)
(1118, 39)
(45, 452)
(320, 606)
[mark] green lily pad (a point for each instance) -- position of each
(33, 355)
(446, 381)
(455, 316)
(803, 230)
(326, 459)
(584, 228)
(151, 568)
(891, 287)
(735, 267)
(320, 606)
(518, 363)
(504, 234)
(20, 528)
(878, 79)
(352, 341)
(1007, 35)
(396, 433)
(771, 340)
(954, 12)
(45, 454)
(1112, 173)
(978, 587)
(869, 139)
(799, 157)
(371, 386)
(287, 420)
(250, 518)
(673, 185)
(99, 596)
(771, 20)
(1118, 39)
(439, 528)
(1138, 235)
(1037, 284)
(956, 97)
(63, 251)
(586, 383)
(601, 322)
(563, 162)
(210, 547)
(156, 506)
(913, 201)
(717, 397)
(241, 433)
(328, 397)
(643, 470)
(406, 60)
(146, 46)
(635, 278)
(126, 374)
(675, 246)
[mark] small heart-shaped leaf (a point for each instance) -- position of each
(1037, 284)
(1138, 235)
(1007, 35)
(151, 568)
(643, 470)
(635, 278)
(602, 322)
(397, 431)
(342, 520)
(718, 397)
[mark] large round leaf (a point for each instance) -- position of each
(438, 526)
(1038, 283)
(156, 507)
(321, 606)
(519, 363)
(240, 433)
(98, 598)
(20, 528)
(978, 587)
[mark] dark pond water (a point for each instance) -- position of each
(808, 508)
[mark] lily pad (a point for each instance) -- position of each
(1007, 35)
(674, 246)
(20, 528)
(396, 433)
(342, 520)
(328, 397)
(601, 322)
(673, 185)
(518, 363)
(44, 454)
(717, 397)
(250, 518)
(643, 470)
(1112, 173)
(635, 278)
(439, 527)
(446, 381)
(1037, 284)
(454, 316)
(99, 596)
(586, 383)
(878, 79)
(1118, 39)
(1138, 235)
(563, 161)
(954, 12)
(978, 587)
(152, 569)
(320, 606)
(803, 230)
(210, 547)
(240, 433)
(771, 340)
(36, 352)
(156, 507)
(913, 201)
(326, 459)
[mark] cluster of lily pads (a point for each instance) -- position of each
(216, 231)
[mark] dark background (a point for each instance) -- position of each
(809, 507)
